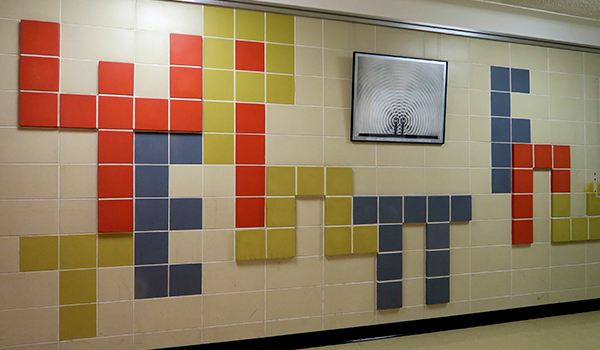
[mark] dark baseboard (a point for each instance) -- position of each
(398, 329)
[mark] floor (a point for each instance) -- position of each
(578, 331)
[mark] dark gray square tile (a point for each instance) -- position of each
(438, 236)
(500, 104)
(438, 208)
(364, 210)
(186, 213)
(151, 248)
(499, 78)
(415, 209)
(461, 208)
(151, 214)
(500, 130)
(389, 266)
(437, 290)
(521, 130)
(151, 180)
(390, 238)
(185, 279)
(390, 209)
(501, 155)
(519, 80)
(501, 181)
(151, 148)
(437, 263)
(389, 295)
(186, 149)
(151, 281)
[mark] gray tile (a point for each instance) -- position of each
(461, 208)
(390, 209)
(438, 208)
(185, 279)
(437, 263)
(390, 238)
(438, 236)
(415, 209)
(151, 281)
(389, 295)
(437, 290)
(389, 266)
(364, 210)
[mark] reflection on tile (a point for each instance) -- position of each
(151, 281)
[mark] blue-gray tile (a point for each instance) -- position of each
(500, 130)
(390, 238)
(151, 148)
(364, 210)
(521, 130)
(461, 208)
(151, 281)
(499, 78)
(501, 155)
(151, 248)
(390, 209)
(437, 263)
(438, 236)
(151, 180)
(389, 266)
(438, 208)
(501, 181)
(519, 79)
(437, 290)
(415, 209)
(389, 295)
(186, 149)
(500, 104)
(151, 214)
(186, 213)
(185, 279)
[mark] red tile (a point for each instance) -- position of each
(249, 56)
(38, 73)
(249, 180)
(115, 78)
(78, 111)
(38, 109)
(250, 118)
(522, 154)
(115, 112)
(115, 181)
(115, 147)
(186, 115)
(40, 38)
(522, 181)
(543, 156)
(522, 231)
(186, 50)
(250, 149)
(522, 206)
(250, 212)
(562, 156)
(115, 215)
(560, 180)
(186, 82)
(151, 114)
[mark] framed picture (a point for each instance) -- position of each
(398, 99)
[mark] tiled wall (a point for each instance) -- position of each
(176, 174)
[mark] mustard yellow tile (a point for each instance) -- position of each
(338, 210)
(280, 59)
(249, 244)
(592, 204)
(280, 89)
(364, 239)
(338, 240)
(281, 243)
(579, 229)
(561, 204)
(218, 149)
(217, 116)
(281, 212)
(115, 249)
(281, 181)
(249, 87)
(561, 230)
(218, 53)
(339, 181)
(249, 25)
(38, 253)
(77, 251)
(594, 228)
(77, 286)
(78, 321)
(280, 28)
(218, 21)
(218, 85)
(311, 181)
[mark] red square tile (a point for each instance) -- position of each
(78, 111)
(522, 206)
(522, 154)
(522, 231)
(522, 181)
(115, 78)
(562, 156)
(250, 118)
(560, 180)
(249, 56)
(115, 112)
(38, 73)
(250, 181)
(186, 115)
(115, 215)
(115, 147)
(250, 149)
(186, 50)
(151, 114)
(38, 109)
(186, 82)
(115, 181)
(40, 38)
(543, 156)
(250, 212)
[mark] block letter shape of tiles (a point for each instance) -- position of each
(522, 231)
(364, 239)
(38, 253)
(151, 214)
(562, 156)
(151, 281)
(281, 243)
(543, 156)
(389, 295)
(338, 210)
(522, 206)
(461, 208)
(499, 78)
(186, 149)
(522, 155)
(520, 130)
(311, 181)
(437, 290)
(40, 38)
(438, 208)
(249, 118)
(219, 116)
(579, 229)
(77, 322)
(561, 205)
(218, 21)
(280, 59)
(249, 25)
(281, 212)
(390, 238)
(185, 279)
(501, 130)
(250, 181)
(38, 109)
(115, 249)
(501, 180)
(78, 111)
(186, 115)
(115, 215)
(185, 82)
(249, 56)
(38, 73)
(250, 149)
(280, 28)
(250, 244)
(500, 104)
(389, 266)
(78, 251)
(501, 155)
(151, 148)
(186, 50)
(519, 80)
(338, 240)
(250, 86)
(522, 181)
(186, 213)
(390, 209)
(415, 208)
(218, 85)
(594, 228)
(218, 149)
(437, 263)
(250, 212)
(560, 180)
(364, 210)
(151, 181)
(438, 236)
(115, 78)
(77, 286)
(561, 230)
(151, 114)
(280, 88)
(281, 181)
(115, 112)
(115, 147)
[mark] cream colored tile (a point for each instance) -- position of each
(538, 82)
(479, 76)
(9, 116)
(338, 93)
(484, 259)
(185, 246)
(567, 132)
(151, 81)
(450, 309)
(528, 57)
(578, 205)
(457, 127)
(529, 106)
(459, 288)
(168, 339)
(540, 131)
(235, 332)
(29, 181)
(567, 254)
(337, 64)
(219, 181)
(400, 42)
(46, 346)
(593, 275)
(218, 245)
(309, 91)
(227, 277)
(489, 52)
(567, 277)
(78, 146)
(25, 290)
(170, 17)
(497, 206)
(541, 230)
(565, 61)
(9, 254)
(592, 252)
(151, 47)
(78, 76)
(218, 213)
(592, 109)
(309, 211)
(479, 102)
(176, 313)
(10, 36)
(28, 326)
(492, 304)
(566, 108)
(480, 154)
(346, 269)
(541, 205)
(78, 181)
(459, 261)
(115, 318)
(388, 184)
(41, 10)
(348, 320)
(337, 35)
(298, 272)
(492, 284)
(531, 299)
(295, 120)
(460, 234)
(97, 43)
(413, 292)
(481, 181)
(28, 217)
(78, 216)
(309, 240)
(112, 13)
(292, 303)
(578, 155)
(592, 87)
(568, 85)
(282, 150)
(407, 155)
(341, 151)
(458, 74)
(336, 122)
(364, 37)
(480, 129)
(349, 298)
(457, 101)
(592, 155)
(431, 43)
(450, 154)
(592, 64)
(116, 343)
(454, 48)
(115, 283)
(567, 295)
(413, 236)
(302, 325)
(31, 146)
(309, 31)
(490, 232)
(363, 181)
(9, 68)
(228, 309)
(185, 180)
(413, 265)
(541, 181)
(446, 181)
(309, 61)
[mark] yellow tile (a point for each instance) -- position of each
(338, 210)
(281, 243)
(38, 253)
(364, 239)
(280, 89)
(281, 212)
(250, 87)
(594, 226)
(561, 204)
(311, 181)
(249, 25)
(77, 286)
(217, 116)
(218, 53)
(579, 228)
(592, 204)
(339, 181)
(280, 59)
(249, 244)
(281, 181)
(338, 240)
(115, 249)
(280, 28)
(78, 321)
(218, 85)
(77, 251)
(561, 230)
(218, 21)
(218, 149)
